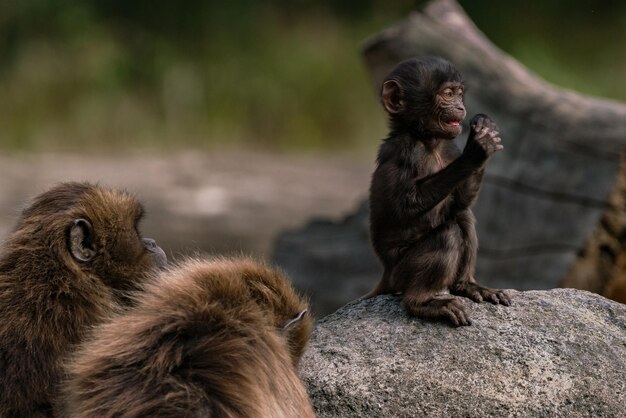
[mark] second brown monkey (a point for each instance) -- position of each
(209, 338)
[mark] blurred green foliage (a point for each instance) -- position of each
(282, 74)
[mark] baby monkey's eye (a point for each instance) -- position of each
(448, 93)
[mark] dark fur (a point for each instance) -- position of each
(206, 339)
(422, 228)
(48, 299)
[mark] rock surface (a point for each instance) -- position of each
(558, 353)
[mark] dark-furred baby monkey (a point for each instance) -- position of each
(421, 224)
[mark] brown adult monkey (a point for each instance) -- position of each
(207, 339)
(73, 254)
(421, 225)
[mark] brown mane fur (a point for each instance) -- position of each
(205, 339)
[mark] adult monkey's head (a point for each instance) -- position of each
(91, 231)
(424, 98)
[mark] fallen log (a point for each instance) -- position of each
(542, 197)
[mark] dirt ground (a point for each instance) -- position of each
(218, 203)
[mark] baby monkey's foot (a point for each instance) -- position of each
(478, 293)
(449, 308)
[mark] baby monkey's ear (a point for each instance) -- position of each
(391, 96)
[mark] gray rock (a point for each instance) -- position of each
(558, 353)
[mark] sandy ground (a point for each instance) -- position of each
(219, 203)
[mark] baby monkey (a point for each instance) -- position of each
(421, 224)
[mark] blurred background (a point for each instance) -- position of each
(278, 75)
(239, 119)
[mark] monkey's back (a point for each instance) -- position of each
(196, 345)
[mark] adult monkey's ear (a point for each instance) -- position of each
(391, 97)
(294, 320)
(81, 240)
